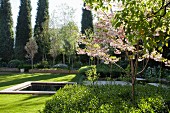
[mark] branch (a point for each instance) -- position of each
(162, 7)
(144, 67)
(121, 68)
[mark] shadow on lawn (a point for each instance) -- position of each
(35, 97)
(33, 78)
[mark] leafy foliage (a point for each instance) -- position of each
(15, 63)
(83, 69)
(138, 28)
(106, 98)
(92, 74)
(42, 64)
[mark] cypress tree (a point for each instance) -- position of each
(6, 31)
(41, 30)
(86, 23)
(23, 29)
(87, 20)
(0, 26)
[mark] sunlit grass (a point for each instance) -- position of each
(15, 103)
(22, 103)
(13, 79)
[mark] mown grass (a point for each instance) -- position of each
(14, 103)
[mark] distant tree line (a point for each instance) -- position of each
(52, 42)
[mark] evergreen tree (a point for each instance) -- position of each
(87, 19)
(41, 30)
(86, 23)
(6, 31)
(23, 29)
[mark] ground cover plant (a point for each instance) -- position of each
(15, 103)
(108, 99)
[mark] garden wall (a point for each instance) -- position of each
(5, 69)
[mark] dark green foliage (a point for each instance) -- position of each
(104, 70)
(87, 20)
(77, 65)
(83, 69)
(42, 64)
(107, 99)
(41, 30)
(6, 31)
(15, 63)
(3, 64)
(26, 67)
(23, 29)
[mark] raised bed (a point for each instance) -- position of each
(6, 69)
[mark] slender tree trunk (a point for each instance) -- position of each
(89, 61)
(98, 60)
(63, 58)
(72, 62)
(133, 79)
(134, 69)
(54, 60)
(32, 63)
(69, 60)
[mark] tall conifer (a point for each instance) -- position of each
(87, 19)
(23, 29)
(41, 30)
(6, 31)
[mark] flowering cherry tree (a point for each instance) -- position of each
(140, 29)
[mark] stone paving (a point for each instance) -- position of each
(107, 82)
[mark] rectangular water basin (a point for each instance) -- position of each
(36, 87)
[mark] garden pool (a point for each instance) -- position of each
(36, 87)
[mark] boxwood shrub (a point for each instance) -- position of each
(14, 63)
(83, 69)
(107, 99)
(104, 70)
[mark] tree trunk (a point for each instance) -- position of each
(63, 59)
(134, 69)
(69, 60)
(32, 63)
(133, 79)
(72, 62)
(54, 60)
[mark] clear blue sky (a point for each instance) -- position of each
(76, 4)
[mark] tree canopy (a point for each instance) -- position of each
(140, 28)
(6, 31)
(23, 29)
(87, 19)
(41, 30)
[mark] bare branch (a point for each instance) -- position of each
(144, 67)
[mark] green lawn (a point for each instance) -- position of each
(15, 103)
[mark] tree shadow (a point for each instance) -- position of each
(33, 78)
(35, 96)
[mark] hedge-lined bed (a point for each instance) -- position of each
(108, 99)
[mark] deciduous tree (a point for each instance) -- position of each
(31, 48)
(140, 29)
